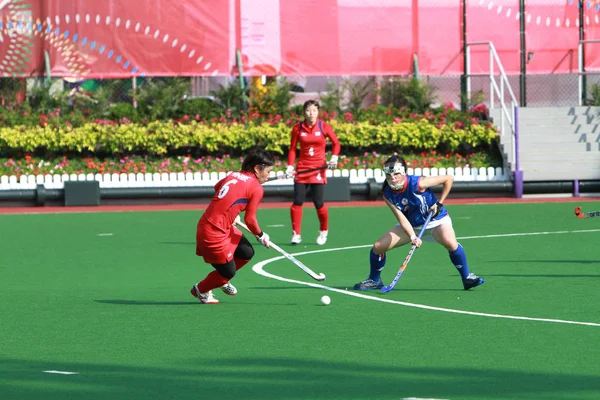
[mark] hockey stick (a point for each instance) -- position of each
(386, 289)
(580, 214)
(310, 272)
(286, 176)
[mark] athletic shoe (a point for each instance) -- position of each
(229, 289)
(368, 284)
(205, 298)
(296, 239)
(322, 238)
(472, 281)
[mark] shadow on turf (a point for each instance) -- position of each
(283, 245)
(284, 378)
(302, 287)
(545, 275)
(550, 261)
(177, 303)
(148, 303)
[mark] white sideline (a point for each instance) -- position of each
(181, 179)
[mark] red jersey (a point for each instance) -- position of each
(235, 193)
(313, 140)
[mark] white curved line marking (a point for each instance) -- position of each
(258, 268)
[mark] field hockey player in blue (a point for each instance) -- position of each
(411, 199)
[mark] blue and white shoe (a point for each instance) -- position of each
(369, 284)
(472, 281)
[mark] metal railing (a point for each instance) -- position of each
(499, 90)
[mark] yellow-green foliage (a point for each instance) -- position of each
(162, 137)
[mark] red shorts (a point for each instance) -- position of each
(215, 249)
(317, 177)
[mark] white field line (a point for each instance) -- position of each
(258, 268)
(420, 398)
(61, 372)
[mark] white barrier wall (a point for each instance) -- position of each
(211, 178)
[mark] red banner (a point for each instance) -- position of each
(112, 39)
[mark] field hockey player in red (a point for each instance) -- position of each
(312, 134)
(219, 242)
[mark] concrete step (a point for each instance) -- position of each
(566, 146)
(559, 175)
(562, 157)
(563, 119)
(557, 133)
(555, 143)
(564, 111)
(557, 127)
(536, 147)
(569, 147)
(553, 137)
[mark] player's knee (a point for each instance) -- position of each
(378, 248)
(244, 251)
(319, 204)
(298, 203)
(227, 271)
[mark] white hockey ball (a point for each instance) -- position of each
(325, 300)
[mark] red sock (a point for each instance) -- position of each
(212, 281)
(239, 263)
(323, 215)
(296, 214)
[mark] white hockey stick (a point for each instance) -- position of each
(310, 272)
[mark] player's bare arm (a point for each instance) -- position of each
(404, 223)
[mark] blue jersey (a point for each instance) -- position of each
(413, 203)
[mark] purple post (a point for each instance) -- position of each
(518, 173)
(576, 188)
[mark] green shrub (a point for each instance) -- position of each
(203, 107)
(119, 111)
(176, 138)
(233, 98)
(594, 99)
(357, 93)
(159, 98)
(331, 99)
(272, 99)
(412, 93)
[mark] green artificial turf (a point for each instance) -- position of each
(106, 295)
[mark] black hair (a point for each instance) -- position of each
(257, 156)
(393, 160)
(309, 103)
